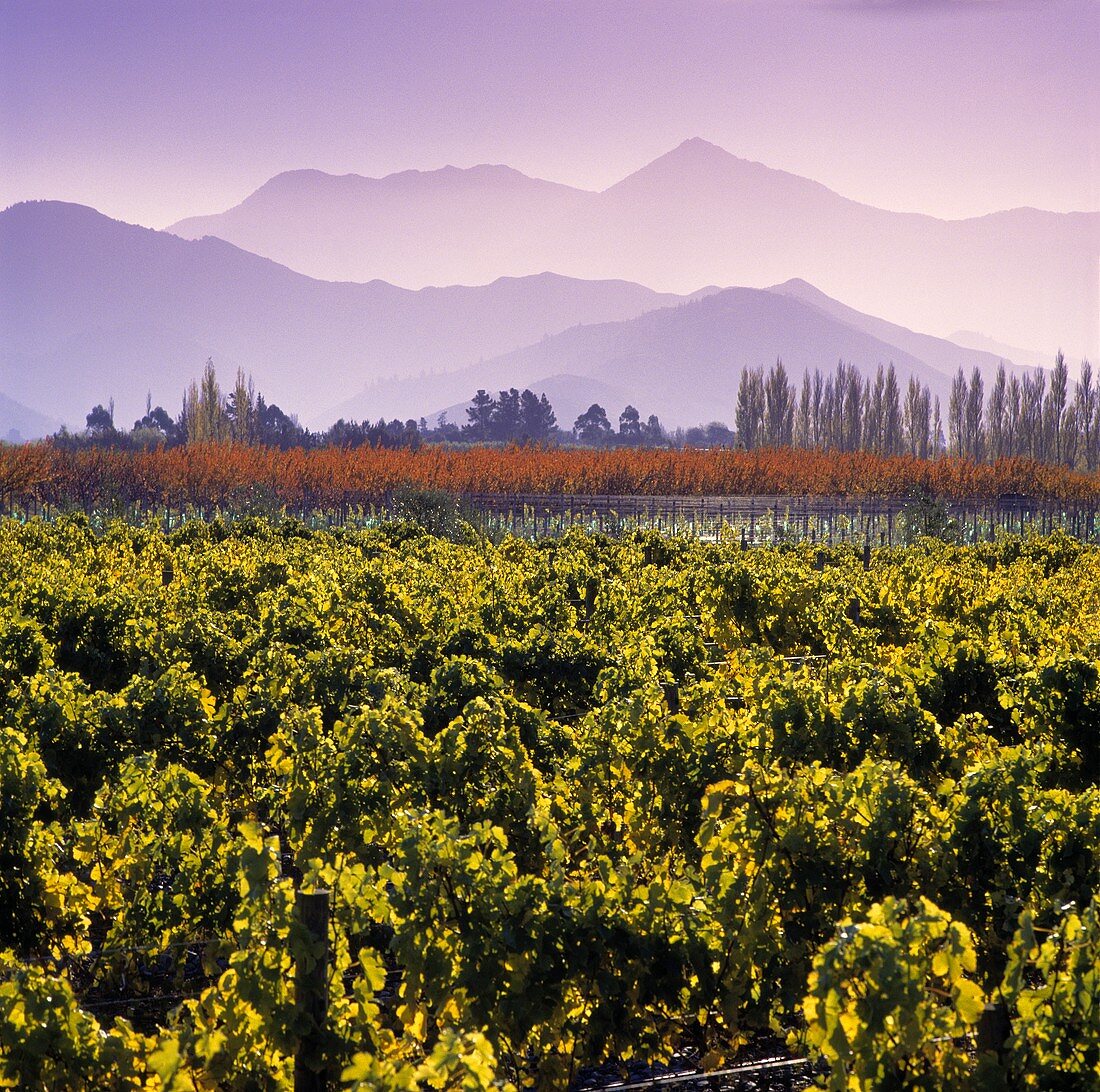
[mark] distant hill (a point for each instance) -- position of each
(684, 362)
(19, 422)
(448, 226)
(695, 215)
(945, 355)
(1028, 358)
(92, 308)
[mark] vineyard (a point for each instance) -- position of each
(574, 801)
(343, 485)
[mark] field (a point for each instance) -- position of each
(341, 485)
(575, 800)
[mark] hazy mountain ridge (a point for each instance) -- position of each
(19, 422)
(91, 307)
(943, 354)
(696, 214)
(682, 362)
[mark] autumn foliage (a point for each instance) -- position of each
(233, 476)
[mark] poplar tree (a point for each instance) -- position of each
(1013, 418)
(804, 420)
(973, 432)
(204, 413)
(1085, 402)
(242, 410)
(891, 414)
(778, 408)
(749, 418)
(873, 413)
(956, 415)
(1054, 411)
(995, 415)
(917, 419)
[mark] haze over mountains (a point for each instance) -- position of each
(92, 308)
(19, 422)
(696, 215)
(684, 362)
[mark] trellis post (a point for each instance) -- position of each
(311, 986)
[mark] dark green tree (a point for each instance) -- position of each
(630, 425)
(592, 427)
(480, 412)
(537, 419)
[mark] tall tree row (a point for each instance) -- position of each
(1038, 415)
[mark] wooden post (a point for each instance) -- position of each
(994, 1029)
(311, 985)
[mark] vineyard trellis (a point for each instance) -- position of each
(754, 520)
(760, 520)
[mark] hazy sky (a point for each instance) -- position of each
(152, 110)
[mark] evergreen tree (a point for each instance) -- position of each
(652, 431)
(630, 425)
(480, 414)
(274, 428)
(592, 426)
(506, 419)
(537, 419)
(101, 421)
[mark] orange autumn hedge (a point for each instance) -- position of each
(228, 476)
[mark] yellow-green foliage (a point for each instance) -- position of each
(574, 800)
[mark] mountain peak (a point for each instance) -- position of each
(698, 162)
(796, 286)
(696, 150)
(698, 144)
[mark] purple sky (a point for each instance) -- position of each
(152, 110)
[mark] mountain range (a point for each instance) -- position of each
(92, 308)
(684, 362)
(19, 422)
(695, 215)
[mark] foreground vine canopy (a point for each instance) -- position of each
(575, 800)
